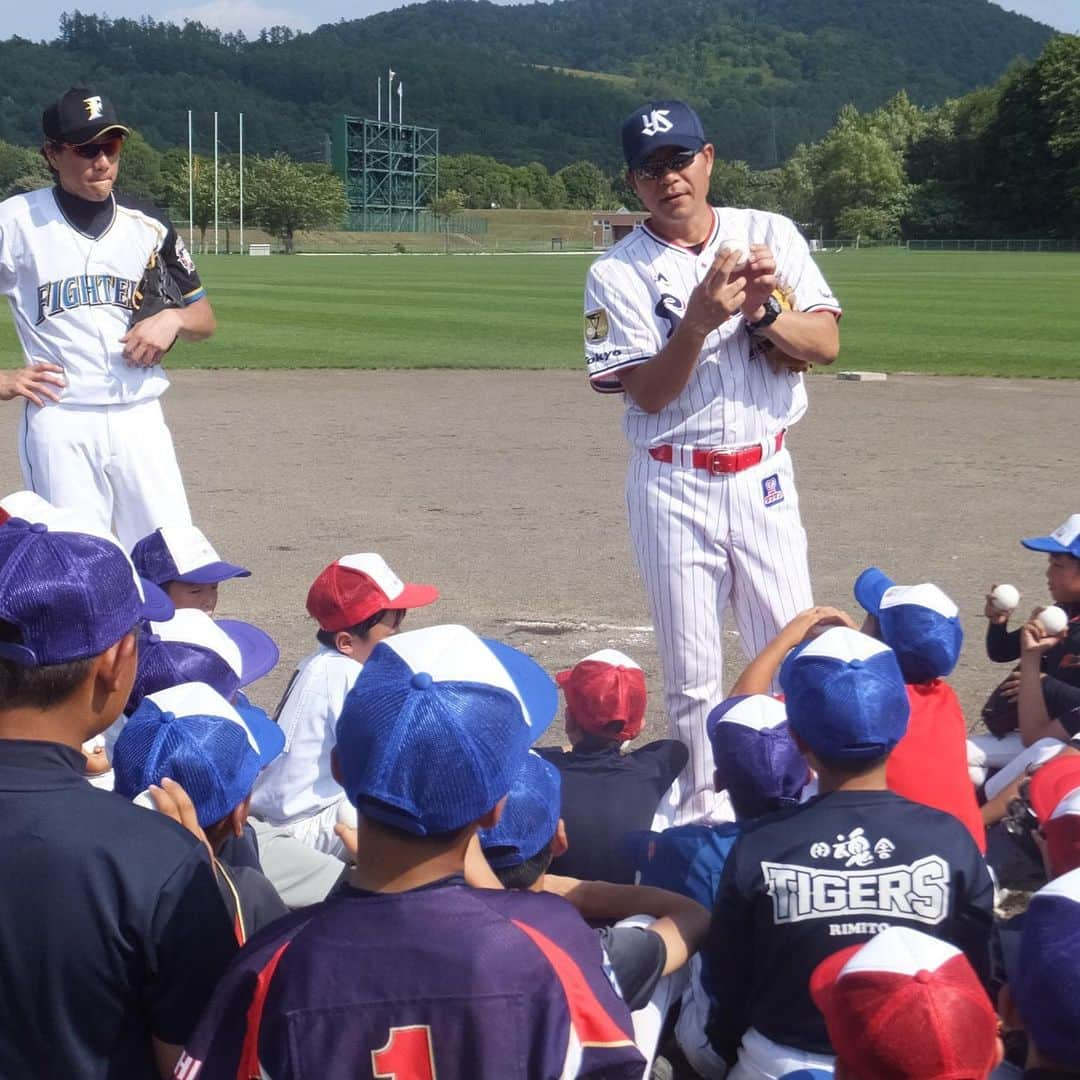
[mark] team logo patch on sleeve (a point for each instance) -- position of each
(596, 325)
(771, 490)
(182, 256)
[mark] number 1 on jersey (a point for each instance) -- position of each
(407, 1055)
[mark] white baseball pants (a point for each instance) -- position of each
(115, 462)
(702, 540)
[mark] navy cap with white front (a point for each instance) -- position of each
(1064, 540)
(845, 696)
(182, 553)
(657, 125)
(68, 596)
(530, 816)
(918, 622)
(192, 735)
(437, 725)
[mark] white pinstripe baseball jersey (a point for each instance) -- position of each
(636, 295)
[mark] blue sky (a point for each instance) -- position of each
(40, 20)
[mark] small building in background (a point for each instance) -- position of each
(613, 226)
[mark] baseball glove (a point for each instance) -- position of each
(778, 359)
(1000, 714)
(156, 291)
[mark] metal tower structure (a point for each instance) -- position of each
(390, 172)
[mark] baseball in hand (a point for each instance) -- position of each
(1005, 597)
(727, 246)
(1053, 619)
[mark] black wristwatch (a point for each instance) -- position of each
(772, 313)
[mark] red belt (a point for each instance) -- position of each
(719, 462)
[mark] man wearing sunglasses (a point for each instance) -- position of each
(71, 256)
(679, 317)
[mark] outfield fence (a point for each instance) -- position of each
(999, 244)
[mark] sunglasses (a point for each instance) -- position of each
(90, 151)
(653, 170)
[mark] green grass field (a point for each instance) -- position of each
(947, 313)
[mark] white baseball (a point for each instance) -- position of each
(1053, 619)
(1005, 597)
(727, 246)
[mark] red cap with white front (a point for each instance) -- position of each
(906, 1006)
(355, 587)
(605, 694)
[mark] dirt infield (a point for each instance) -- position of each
(506, 490)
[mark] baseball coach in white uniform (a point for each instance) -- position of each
(705, 318)
(71, 258)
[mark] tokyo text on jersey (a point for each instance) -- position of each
(707, 530)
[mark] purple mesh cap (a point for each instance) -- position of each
(530, 816)
(68, 596)
(757, 761)
(182, 553)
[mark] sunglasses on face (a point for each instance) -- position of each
(653, 170)
(90, 151)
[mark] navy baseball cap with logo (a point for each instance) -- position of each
(182, 553)
(659, 124)
(529, 818)
(918, 622)
(68, 596)
(81, 116)
(845, 696)
(1064, 540)
(192, 735)
(437, 726)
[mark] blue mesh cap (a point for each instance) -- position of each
(1064, 540)
(845, 696)
(1045, 984)
(69, 595)
(182, 553)
(659, 124)
(529, 818)
(918, 622)
(757, 761)
(191, 647)
(437, 725)
(192, 735)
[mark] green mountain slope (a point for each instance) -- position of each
(765, 74)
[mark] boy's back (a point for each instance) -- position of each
(929, 764)
(606, 795)
(800, 884)
(443, 980)
(110, 923)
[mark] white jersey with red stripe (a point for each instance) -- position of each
(705, 539)
(636, 295)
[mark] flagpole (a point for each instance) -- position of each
(400, 100)
(380, 99)
(241, 183)
(190, 187)
(215, 183)
(390, 95)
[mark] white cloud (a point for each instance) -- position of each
(248, 16)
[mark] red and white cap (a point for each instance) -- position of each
(1051, 782)
(906, 1006)
(355, 587)
(604, 690)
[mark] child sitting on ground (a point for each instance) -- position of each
(180, 560)
(357, 602)
(214, 751)
(607, 793)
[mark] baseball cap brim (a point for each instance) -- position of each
(258, 653)
(89, 133)
(1049, 545)
(157, 607)
(870, 586)
(269, 738)
(534, 685)
(212, 573)
(414, 596)
(672, 142)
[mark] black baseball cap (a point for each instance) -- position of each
(80, 116)
(659, 124)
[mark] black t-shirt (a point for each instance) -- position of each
(637, 957)
(111, 926)
(606, 795)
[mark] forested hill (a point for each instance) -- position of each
(546, 82)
